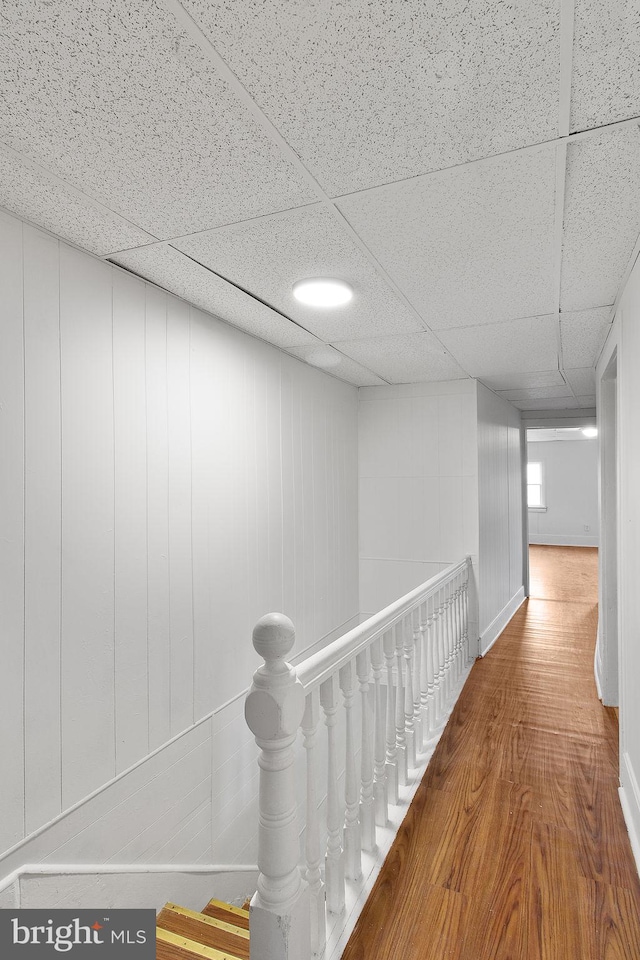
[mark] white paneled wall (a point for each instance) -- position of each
(418, 485)
(500, 580)
(166, 480)
(570, 471)
(159, 812)
(625, 338)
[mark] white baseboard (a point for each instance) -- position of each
(489, 636)
(564, 540)
(630, 801)
(119, 886)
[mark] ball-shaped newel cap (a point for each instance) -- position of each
(274, 636)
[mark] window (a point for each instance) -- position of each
(535, 486)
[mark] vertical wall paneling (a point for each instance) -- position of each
(203, 451)
(130, 425)
(624, 344)
(500, 585)
(418, 477)
(289, 440)
(274, 485)
(181, 480)
(42, 528)
(180, 558)
(88, 750)
(159, 643)
(11, 533)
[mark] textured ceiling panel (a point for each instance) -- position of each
(115, 99)
(331, 361)
(50, 204)
(175, 272)
(601, 216)
(589, 401)
(516, 346)
(554, 403)
(582, 381)
(606, 67)
(521, 380)
(267, 256)
(405, 359)
(369, 92)
(535, 393)
(583, 334)
(469, 246)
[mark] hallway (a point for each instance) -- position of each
(515, 844)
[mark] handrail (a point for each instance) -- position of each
(400, 671)
(321, 665)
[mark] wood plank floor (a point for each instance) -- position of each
(515, 847)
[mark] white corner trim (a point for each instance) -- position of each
(630, 802)
(489, 636)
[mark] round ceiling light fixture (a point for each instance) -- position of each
(322, 292)
(590, 432)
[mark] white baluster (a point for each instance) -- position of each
(367, 811)
(449, 623)
(417, 667)
(465, 614)
(280, 909)
(459, 633)
(401, 738)
(409, 728)
(391, 756)
(352, 848)
(313, 852)
(434, 630)
(423, 626)
(380, 793)
(442, 692)
(334, 860)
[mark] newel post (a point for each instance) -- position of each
(280, 912)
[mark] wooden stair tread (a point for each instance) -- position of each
(205, 930)
(224, 911)
(173, 946)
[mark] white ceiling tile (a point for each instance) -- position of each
(405, 359)
(468, 246)
(521, 380)
(589, 401)
(605, 83)
(552, 403)
(601, 216)
(116, 99)
(368, 93)
(514, 346)
(535, 393)
(30, 194)
(582, 381)
(267, 256)
(582, 334)
(176, 273)
(329, 360)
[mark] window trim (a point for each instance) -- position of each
(542, 506)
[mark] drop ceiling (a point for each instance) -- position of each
(472, 168)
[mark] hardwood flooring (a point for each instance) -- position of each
(515, 847)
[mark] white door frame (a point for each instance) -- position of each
(606, 661)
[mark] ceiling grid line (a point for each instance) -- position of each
(197, 34)
(432, 165)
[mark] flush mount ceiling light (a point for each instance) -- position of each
(590, 432)
(322, 292)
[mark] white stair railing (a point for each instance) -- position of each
(419, 647)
